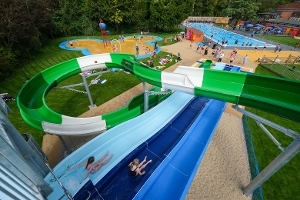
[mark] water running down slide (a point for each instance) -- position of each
(275, 95)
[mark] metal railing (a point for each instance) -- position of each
(282, 66)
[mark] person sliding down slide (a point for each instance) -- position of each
(93, 167)
(136, 167)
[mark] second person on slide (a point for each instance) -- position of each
(136, 167)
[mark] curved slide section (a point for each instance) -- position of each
(271, 94)
(275, 95)
(34, 110)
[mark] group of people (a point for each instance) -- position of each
(91, 166)
(121, 38)
(202, 49)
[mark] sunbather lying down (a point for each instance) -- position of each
(164, 61)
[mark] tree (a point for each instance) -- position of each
(15, 22)
(165, 15)
(242, 9)
(209, 8)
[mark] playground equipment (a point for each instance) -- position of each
(104, 33)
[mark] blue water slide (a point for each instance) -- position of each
(121, 140)
(183, 140)
(156, 148)
(173, 177)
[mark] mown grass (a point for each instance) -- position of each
(284, 184)
(287, 40)
(61, 100)
(156, 60)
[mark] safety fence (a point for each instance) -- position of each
(253, 163)
(286, 67)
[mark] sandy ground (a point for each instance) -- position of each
(128, 46)
(224, 169)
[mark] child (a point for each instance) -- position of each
(136, 168)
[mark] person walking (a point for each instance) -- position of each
(137, 50)
(245, 59)
(221, 56)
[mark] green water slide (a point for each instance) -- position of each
(34, 110)
(133, 109)
(206, 64)
(275, 95)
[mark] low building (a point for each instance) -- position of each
(288, 17)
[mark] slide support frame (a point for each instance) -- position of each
(146, 97)
(88, 92)
(285, 156)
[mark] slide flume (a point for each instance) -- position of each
(34, 110)
(275, 95)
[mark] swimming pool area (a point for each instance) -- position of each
(217, 35)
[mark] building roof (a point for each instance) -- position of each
(288, 7)
(284, 21)
(268, 13)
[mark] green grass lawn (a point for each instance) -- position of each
(284, 184)
(61, 100)
(287, 40)
(285, 71)
(156, 59)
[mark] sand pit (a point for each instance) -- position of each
(128, 46)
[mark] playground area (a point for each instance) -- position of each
(95, 46)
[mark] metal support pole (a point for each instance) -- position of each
(65, 145)
(274, 60)
(61, 185)
(88, 92)
(294, 60)
(286, 131)
(270, 135)
(287, 60)
(263, 58)
(146, 97)
(284, 157)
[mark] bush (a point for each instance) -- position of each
(7, 62)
